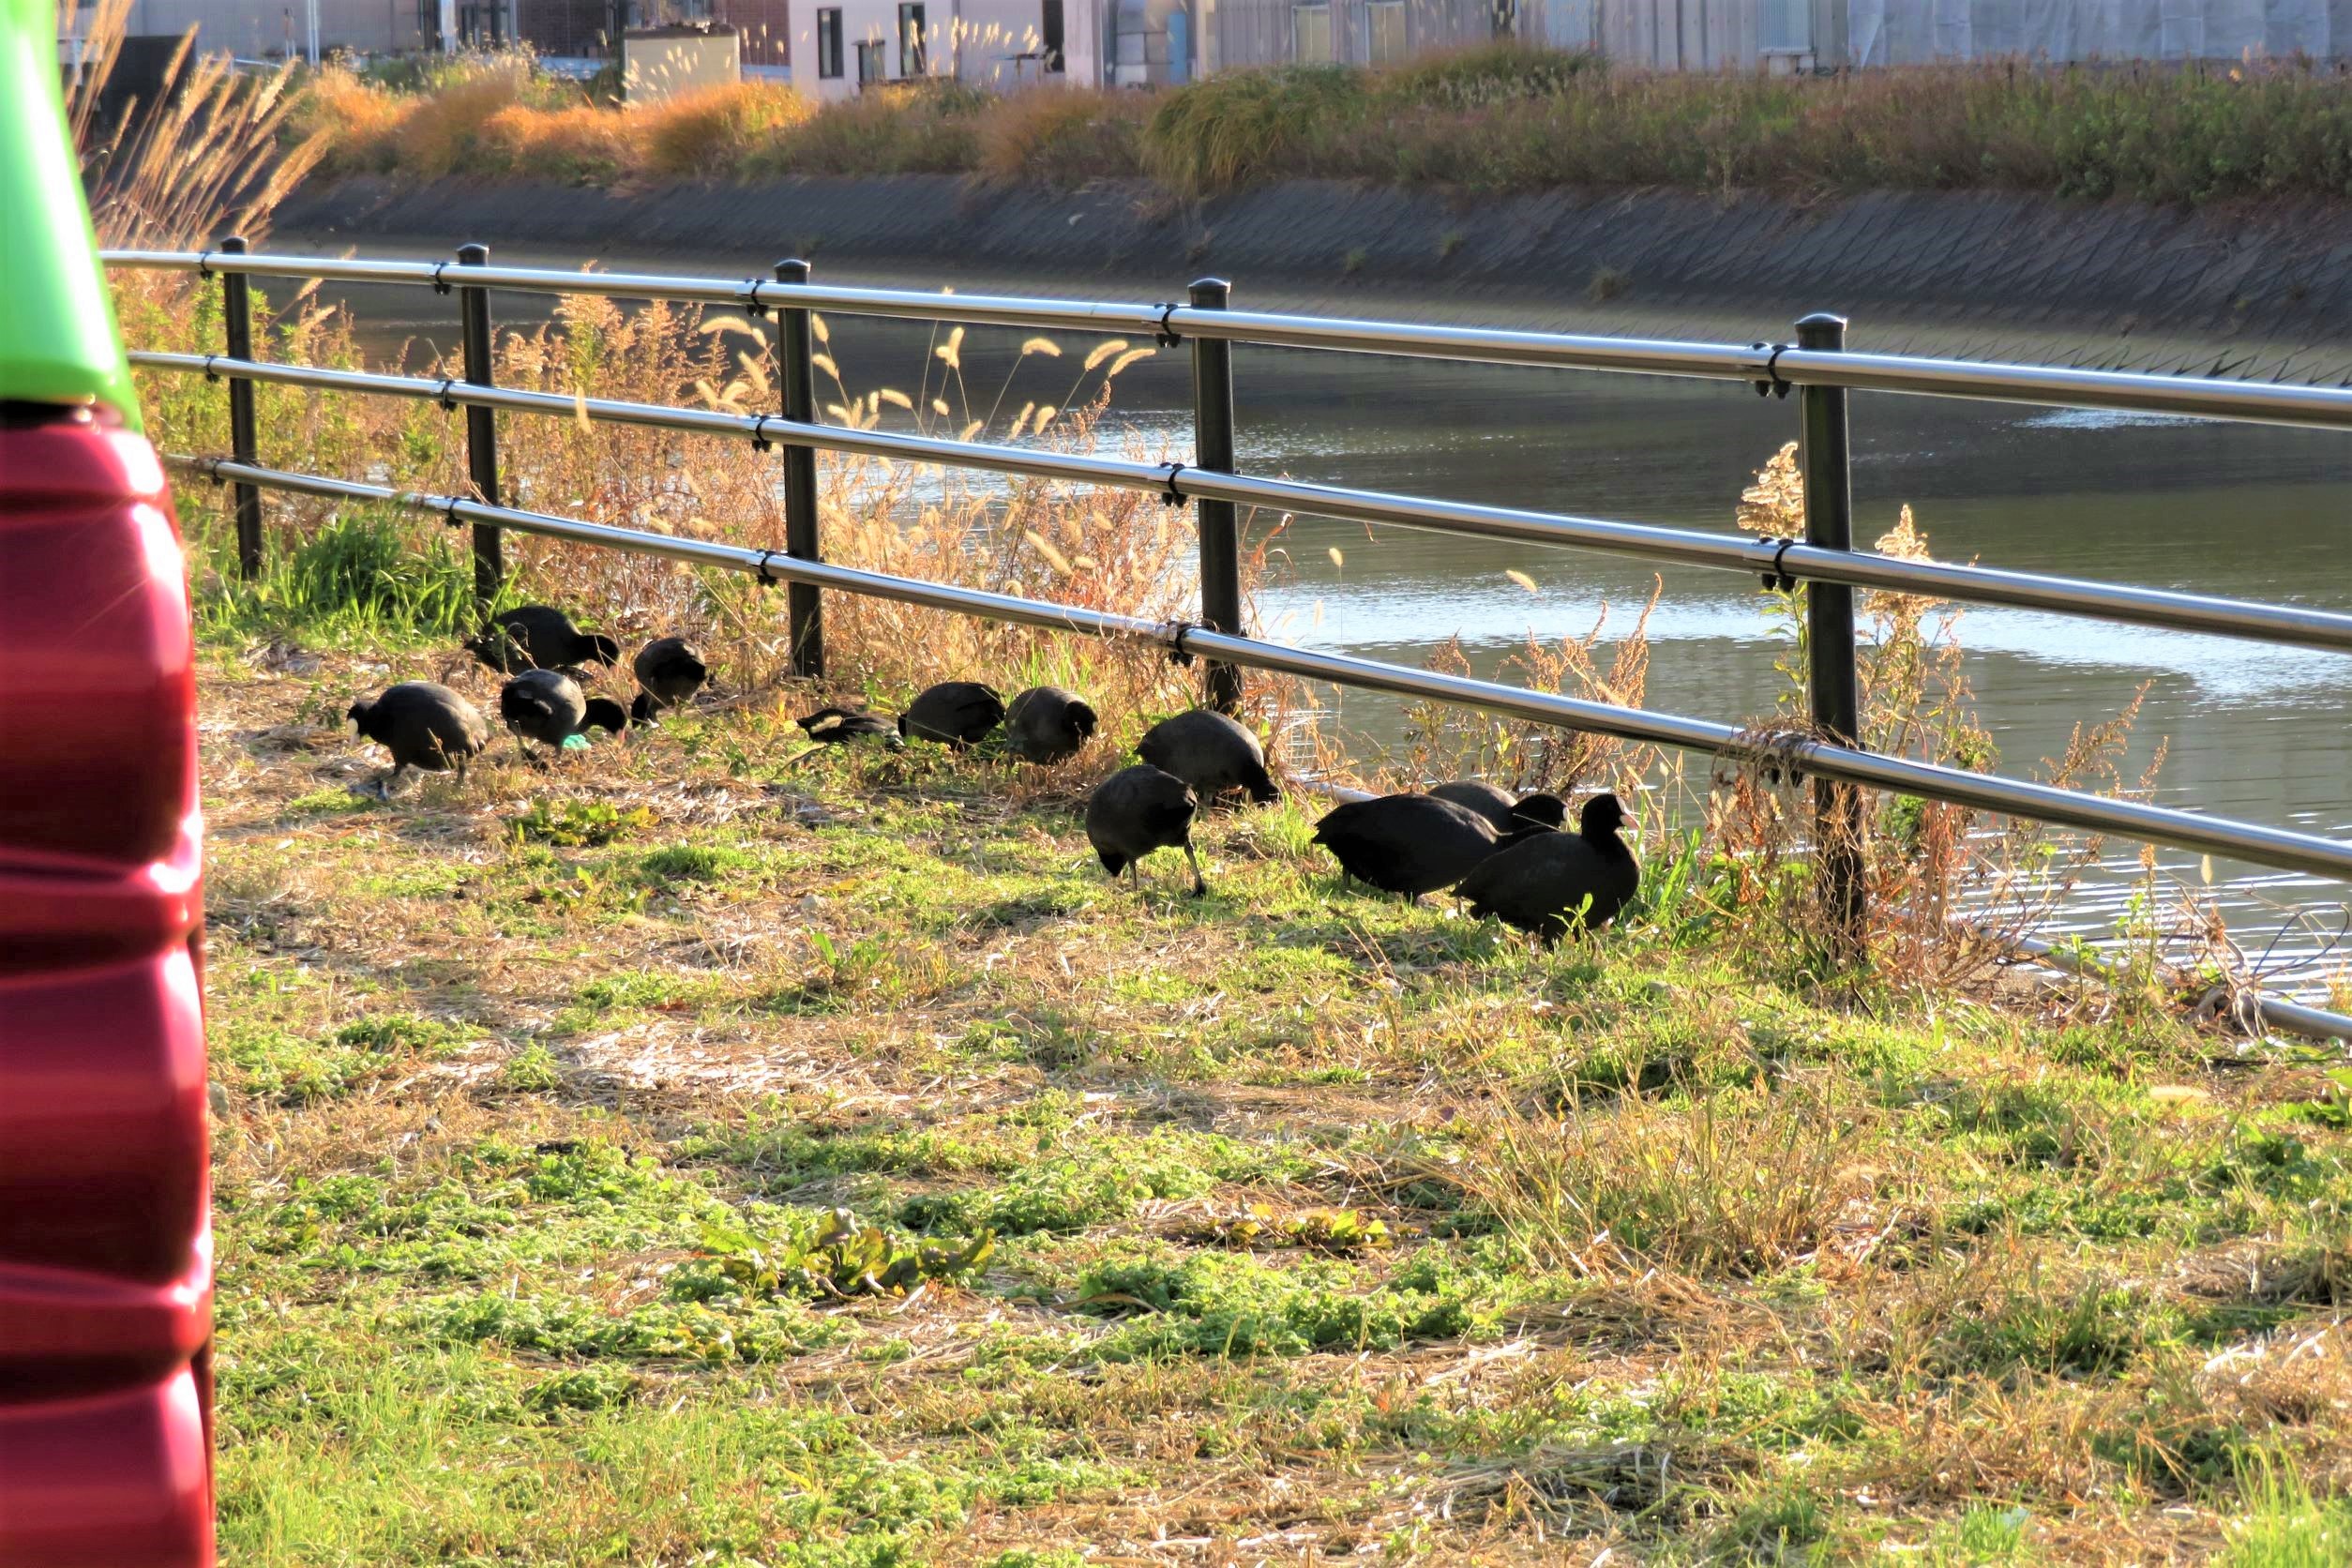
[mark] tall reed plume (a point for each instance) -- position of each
(206, 156)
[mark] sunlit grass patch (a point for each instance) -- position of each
(741, 1092)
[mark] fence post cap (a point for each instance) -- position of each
(474, 255)
(1210, 292)
(793, 269)
(1823, 329)
(233, 244)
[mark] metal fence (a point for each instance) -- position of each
(1815, 366)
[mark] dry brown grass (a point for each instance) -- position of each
(1724, 1184)
(1508, 117)
(706, 134)
(429, 146)
(1062, 136)
(575, 142)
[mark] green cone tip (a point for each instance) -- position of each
(57, 337)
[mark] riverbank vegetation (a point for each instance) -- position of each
(1500, 118)
(715, 1148)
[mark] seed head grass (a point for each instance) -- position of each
(214, 154)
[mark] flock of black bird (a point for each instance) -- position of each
(1511, 859)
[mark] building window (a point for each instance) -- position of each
(1384, 32)
(1310, 35)
(1050, 29)
(911, 54)
(1784, 26)
(829, 44)
(871, 66)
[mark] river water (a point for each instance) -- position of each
(2255, 731)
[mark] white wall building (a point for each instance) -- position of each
(845, 46)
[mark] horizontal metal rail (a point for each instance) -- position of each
(2315, 1023)
(2292, 624)
(1766, 365)
(750, 294)
(2248, 841)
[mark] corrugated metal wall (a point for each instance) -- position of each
(1261, 32)
(1898, 32)
(1710, 35)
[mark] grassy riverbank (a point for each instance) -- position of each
(1504, 118)
(1281, 1223)
(715, 1149)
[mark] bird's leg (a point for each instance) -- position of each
(1135, 875)
(1199, 883)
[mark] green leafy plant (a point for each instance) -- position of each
(532, 1070)
(579, 824)
(840, 1257)
(1320, 1229)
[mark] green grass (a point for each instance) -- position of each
(1499, 117)
(2285, 1524)
(617, 1168)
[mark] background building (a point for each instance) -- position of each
(1167, 40)
(831, 49)
(273, 29)
(843, 47)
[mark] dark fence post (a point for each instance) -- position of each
(481, 427)
(796, 369)
(1212, 449)
(236, 311)
(1826, 456)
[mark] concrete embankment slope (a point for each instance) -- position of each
(2263, 292)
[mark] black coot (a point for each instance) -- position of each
(669, 671)
(547, 706)
(1543, 883)
(1502, 809)
(424, 725)
(953, 712)
(1411, 844)
(1136, 810)
(1048, 724)
(1211, 753)
(1507, 815)
(839, 725)
(539, 637)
